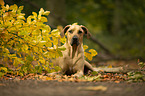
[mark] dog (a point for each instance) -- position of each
(72, 61)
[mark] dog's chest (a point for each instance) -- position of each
(70, 65)
(69, 61)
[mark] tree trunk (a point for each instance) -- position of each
(116, 20)
(57, 12)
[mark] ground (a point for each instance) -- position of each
(45, 86)
(55, 88)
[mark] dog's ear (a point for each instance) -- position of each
(87, 33)
(64, 30)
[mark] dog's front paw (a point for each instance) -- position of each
(78, 74)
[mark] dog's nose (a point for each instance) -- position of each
(75, 38)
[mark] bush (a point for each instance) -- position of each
(28, 43)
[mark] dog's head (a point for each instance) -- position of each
(75, 34)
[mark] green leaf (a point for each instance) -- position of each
(94, 73)
(57, 68)
(62, 48)
(29, 58)
(25, 69)
(59, 52)
(22, 33)
(15, 63)
(21, 74)
(1, 74)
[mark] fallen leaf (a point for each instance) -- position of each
(71, 79)
(110, 66)
(1, 84)
(60, 80)
(49, 78)
(117, 81)
(93, 88)
(105, 76)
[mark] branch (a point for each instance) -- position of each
(65, 22)
(101, 45)
(52, 15)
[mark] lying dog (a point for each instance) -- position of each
(73, 61)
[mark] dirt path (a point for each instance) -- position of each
(55, 88)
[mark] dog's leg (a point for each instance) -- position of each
(88, 65)
(79, 73)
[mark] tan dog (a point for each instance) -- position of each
(73, 61)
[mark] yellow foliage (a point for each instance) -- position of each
(24, 40)
(28, 38)
(90, 54)
(2, 2)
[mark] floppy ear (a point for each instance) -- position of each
(64, 30)
(87, 33)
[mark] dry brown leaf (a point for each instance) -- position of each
(71, 79)
(117, 81)
(1, 84)
(49, 78)
(93, 88)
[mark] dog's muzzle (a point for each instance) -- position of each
(74, 40)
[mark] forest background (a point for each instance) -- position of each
(117, 24)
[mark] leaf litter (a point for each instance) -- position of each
(93, 88)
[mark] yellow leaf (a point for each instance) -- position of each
(41, 11)
(75, 24)
(29, 20)
(25, 47)
(21, 17)
(55, 33)
(85, 47)
(15, 63)
(20, 8)
(7, 7)
(42, 60)
(43, 19)
(93, 52)
(48, 78)
(3, 68)
(2, 2)
(46, 13)
(110, 66)
(14, 7)
(35, 14)
(88, 55)
(63, 40)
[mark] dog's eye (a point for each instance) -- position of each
(70, 31)
(80, 32)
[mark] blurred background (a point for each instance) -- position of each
(117, 26)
